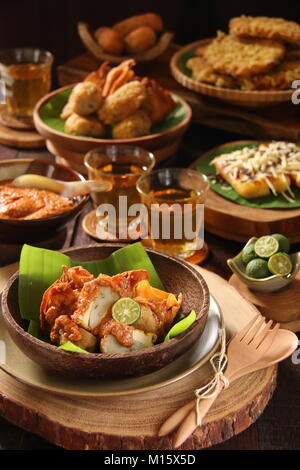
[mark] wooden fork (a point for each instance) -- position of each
(244, 350)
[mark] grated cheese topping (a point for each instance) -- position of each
(267, 161)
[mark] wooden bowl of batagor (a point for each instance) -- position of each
(176, 275)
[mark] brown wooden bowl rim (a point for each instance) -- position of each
(95, 357)
(227, 93)
(95, 49)
(79, 205)
(137, 140)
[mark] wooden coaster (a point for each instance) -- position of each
(89, 224)
(131, 422)
(282, 306)
(13, 122)
(20, 139)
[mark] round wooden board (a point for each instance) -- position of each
(236, 222)
(16, 134)
(132, 422)
(282, 306)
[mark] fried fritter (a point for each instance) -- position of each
(110, 40)
(140, 39)
(147, 19)
(243, 57)
(85, 99)
(280, 78)
(264, 27)
(123, 102)
(159, 102)
(135, 125)
(84, 125)
(203, 72)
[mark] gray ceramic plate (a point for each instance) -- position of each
(19, 366)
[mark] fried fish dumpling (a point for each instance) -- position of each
(65, 329)
(140, 340)
(94, 302)
(84, 125)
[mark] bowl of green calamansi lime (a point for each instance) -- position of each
(265, 264)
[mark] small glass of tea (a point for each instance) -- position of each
(25, 76)
(117, 209)
(174, 210)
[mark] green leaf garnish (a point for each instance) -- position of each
(71, 347)
(181, 326)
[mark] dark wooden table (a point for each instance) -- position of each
(279, 426)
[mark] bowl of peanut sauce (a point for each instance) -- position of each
(30, 215)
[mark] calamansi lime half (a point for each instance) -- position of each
(281, 264)
(284, 244)
(266, 246)
(126, 310)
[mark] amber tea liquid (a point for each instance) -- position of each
(25, 84)
(122, 178)
(172, 213)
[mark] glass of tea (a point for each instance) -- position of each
(174, 209)
(25, 76)
(117, 209)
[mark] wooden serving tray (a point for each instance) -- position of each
(276, 122)
(236, 222)
(131, 422)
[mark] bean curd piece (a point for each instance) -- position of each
(152, 20)
(140, 39)
(65, 329)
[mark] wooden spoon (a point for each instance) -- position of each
(284, 344)
(64, 188)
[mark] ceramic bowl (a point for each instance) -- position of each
(72, 148)
(26, 231)
(271, 283)
(177, 276)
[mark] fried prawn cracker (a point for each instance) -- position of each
(243, 57)
(264, 27)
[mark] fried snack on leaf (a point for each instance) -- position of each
(243, 57)
(84, 125)
(265, 27)
(203, 72)
(152, 20)
(98, 77)
(159, 102)
(85, 99)
(123, 102)
(110, 40)
(140, 39)
(135, 125)
(279, 78)
(118, 76)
